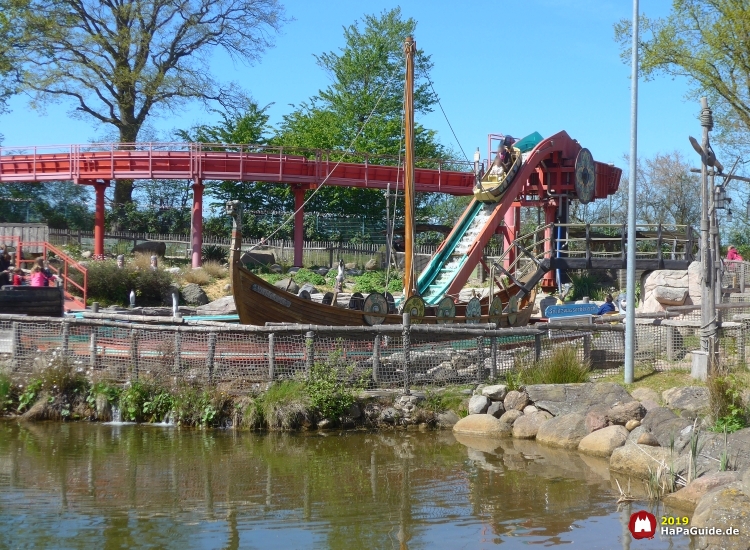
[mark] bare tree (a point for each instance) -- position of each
(120, 61)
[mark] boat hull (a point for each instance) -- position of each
(260, 303)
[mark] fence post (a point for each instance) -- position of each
(670, 343)
(742, 276)
(177, 350)
(480, 359)
(537, 346)
(211, 353)
(134, 354)
(271, 357)
(15, 342)
(587, 347)
(93, 350)
(493, 360)
(376, 359)
(406, 332)
(309, 352)
(65, 340)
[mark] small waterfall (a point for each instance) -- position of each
(168, 419)
(116, 415)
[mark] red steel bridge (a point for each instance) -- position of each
(100, 164)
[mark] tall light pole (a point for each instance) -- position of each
(630, 284)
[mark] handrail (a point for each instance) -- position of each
(68, 263)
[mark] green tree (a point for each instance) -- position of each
(59, 204)
(121, 61)
(705, 41)
(368, 77)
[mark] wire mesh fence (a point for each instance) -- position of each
(240, 358)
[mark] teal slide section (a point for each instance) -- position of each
(436, 277)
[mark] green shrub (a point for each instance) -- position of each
(328, 394)
(214, 253)
(204, 407)
(284, 406)
(374, 281)
(108, 284)
(725, 402)
(145, 402)
(5, 392)
(306, 276)
(563, 367)
(63, 385)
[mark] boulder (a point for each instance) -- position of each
(642, 394)
(562, 399)
(632, 425)
(647, 438)
(635, 460)
(222, 306)
(371, 265)
(276, 268)
(648, 404)
(596, 417)
(687, 498)
(635, 435)
(527, 426)
(151, 247)
(309, 288)
(603, 442)
(496, 409)
(390, 415)
(288, 285)
(478, 404)
(509, 417)
(496, 392)
(193, 294)
(668, 296)
(622, 414)
(723, 507)
(563, 431)
(257, 258)
(482, 425)
(447, 419)
(516, 400)
(693, 399)
(528, 409)
(665, 426)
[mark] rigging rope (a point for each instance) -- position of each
(346, 151)
(446, 116)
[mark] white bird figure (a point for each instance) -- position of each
(340, 277)
(132, 298)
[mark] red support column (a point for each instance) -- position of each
(299, 224)
(509, 236)
(550, 209)
(99, 188)
(196, 223)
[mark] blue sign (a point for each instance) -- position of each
(571, 310)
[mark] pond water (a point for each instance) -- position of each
(85, 485)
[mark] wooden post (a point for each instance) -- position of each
(177, 350)
(309, 352)
(537, 346)
(134, 353)
(330, 257)
(65, 340)
(271, 358)
(587, 347)
(15, 344)
(659, 255)
(742, 276)
(376, 359)
(406, 332)
(670, 342)
(480, 359)
(493, 355)
(93, 356)
(588, 246)
(210, 356)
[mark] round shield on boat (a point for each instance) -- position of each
(496, 310)
(391, 303)
(513, 310)
(327, 299)
(357, 301)
(375, 303)
(473, 311)
(446, 310)
(305, 295)
(414, 306)
(585, 183)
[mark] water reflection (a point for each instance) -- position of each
(82, 486)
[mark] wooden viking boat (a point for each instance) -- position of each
(492, 187)
(260, 303)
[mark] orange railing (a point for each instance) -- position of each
(66, 272)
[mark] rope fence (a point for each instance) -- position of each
(240, 358)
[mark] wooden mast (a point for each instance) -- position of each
(234, 209)
(409, 276)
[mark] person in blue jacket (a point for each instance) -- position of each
(607, 307)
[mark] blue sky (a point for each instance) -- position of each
(536, 65)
